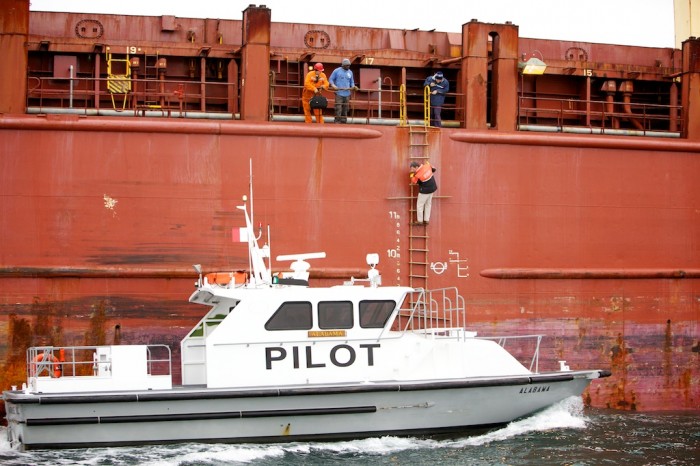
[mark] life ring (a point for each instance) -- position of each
(48, 363)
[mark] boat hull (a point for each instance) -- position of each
(66, 420)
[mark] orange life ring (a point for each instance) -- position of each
(51, 361)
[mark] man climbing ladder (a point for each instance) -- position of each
(423, 175)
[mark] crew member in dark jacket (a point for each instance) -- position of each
(439, 86)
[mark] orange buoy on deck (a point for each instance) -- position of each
(50, 363)
(224, 278)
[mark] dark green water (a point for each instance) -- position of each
(563, 435)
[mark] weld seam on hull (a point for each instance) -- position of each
(631, 274)
(118, 272)
(73, 123)
(578, 142)
(202, 416)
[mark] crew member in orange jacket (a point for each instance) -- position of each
(422, 174)
(314, 83)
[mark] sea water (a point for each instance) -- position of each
(564, 434)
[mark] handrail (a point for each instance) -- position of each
(441, 313)
(81, 361)
(194, 99)
(607, 115)
(171, 95)
(502, 340)
(403, 111)
(434, 310)
(426, 106)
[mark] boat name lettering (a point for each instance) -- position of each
(537, 389)
(327, 333)
(339, 355)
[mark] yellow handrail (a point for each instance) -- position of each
(403, 119)
(426, 106)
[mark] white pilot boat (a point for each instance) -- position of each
(274, 360)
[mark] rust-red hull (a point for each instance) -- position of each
(114, 180)
(504, 211)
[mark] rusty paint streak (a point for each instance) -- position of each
(619, 397)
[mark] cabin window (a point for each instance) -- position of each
(291, 316)
(335, 314)
(374, 314)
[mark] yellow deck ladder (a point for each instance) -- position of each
(118, 83)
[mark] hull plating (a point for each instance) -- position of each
(101, 223)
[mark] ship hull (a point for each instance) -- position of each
(593, 243)
(70, 420)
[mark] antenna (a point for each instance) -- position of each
(300, 267)
(260, 272)
(250, 187)
(198, 269)
(301, 257)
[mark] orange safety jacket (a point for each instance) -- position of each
(424, 173)
(314, 80)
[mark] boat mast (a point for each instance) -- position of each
(261, 274)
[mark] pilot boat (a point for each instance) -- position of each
(276, 360)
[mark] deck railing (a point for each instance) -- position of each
(215, 100)
(387, 106)
(437, 312)
(86, 361)
(538, 113)
(166, 98)
(366, 106)
(441, 314)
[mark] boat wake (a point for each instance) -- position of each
(567, 414)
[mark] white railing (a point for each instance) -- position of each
(84, 361)
(441, 313)
(436, 312)
(535, 360)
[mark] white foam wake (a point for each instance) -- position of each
(567, 414)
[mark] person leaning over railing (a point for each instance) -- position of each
(439, 87)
